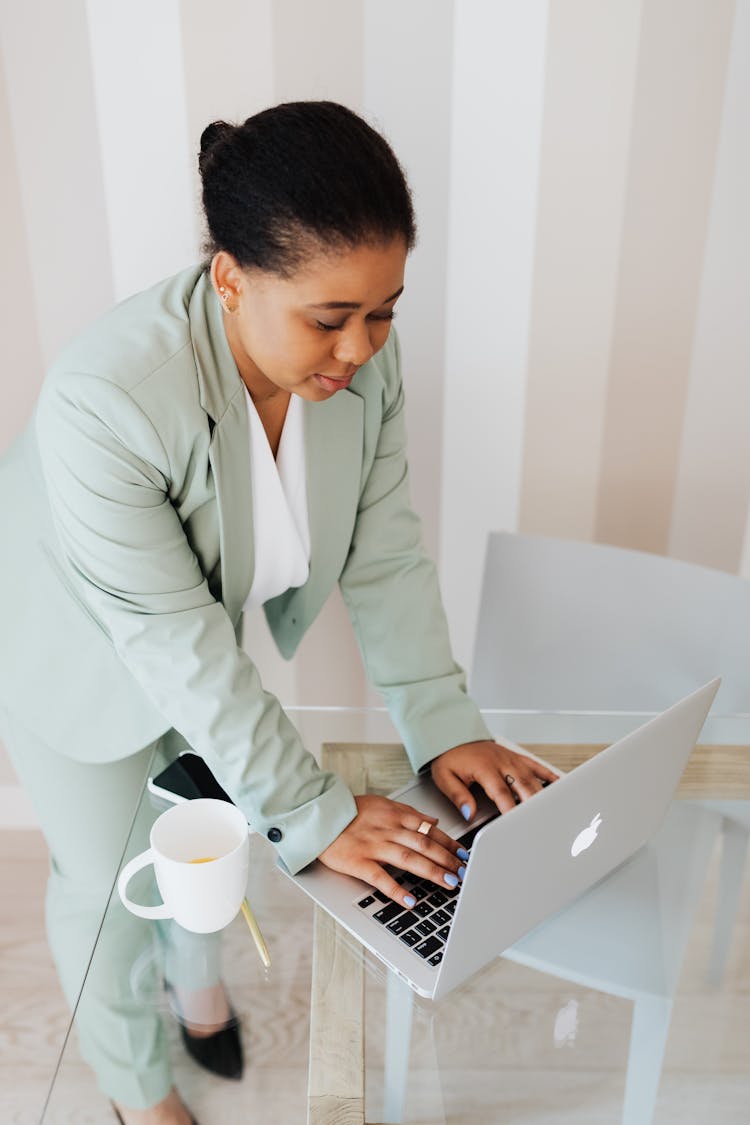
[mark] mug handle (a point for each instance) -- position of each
(127, 873)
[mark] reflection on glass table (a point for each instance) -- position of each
(607, 1012)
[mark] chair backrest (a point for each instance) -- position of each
(565, 625)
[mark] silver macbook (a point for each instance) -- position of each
(523, 866)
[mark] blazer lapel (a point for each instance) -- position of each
(334, 435)
(229, 454)
(222, 396)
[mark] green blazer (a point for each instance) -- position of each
(129, 556)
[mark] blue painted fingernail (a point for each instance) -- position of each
(466, 811)
(461, 872)
(410, 900)
(451, 880)
(462, 853)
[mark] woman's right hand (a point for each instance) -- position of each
(385, 832)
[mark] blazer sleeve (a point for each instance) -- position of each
(390, 587)
(108, 476)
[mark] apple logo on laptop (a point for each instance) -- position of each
(586, 838)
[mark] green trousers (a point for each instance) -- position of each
(87, 813)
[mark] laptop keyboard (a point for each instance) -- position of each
(424, 927)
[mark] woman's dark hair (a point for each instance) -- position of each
(297, 177)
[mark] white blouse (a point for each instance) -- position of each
(281, 532)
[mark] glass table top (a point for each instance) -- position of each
(630, 1005)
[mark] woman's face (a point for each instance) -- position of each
(310, 333)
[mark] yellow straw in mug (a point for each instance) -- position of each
(254, 928)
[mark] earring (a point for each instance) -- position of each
(225, 298)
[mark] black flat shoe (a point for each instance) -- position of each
(220, 1053)
(118, 1115)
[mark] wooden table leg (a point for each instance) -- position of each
(336, 1082)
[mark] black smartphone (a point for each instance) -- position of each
(186, 778)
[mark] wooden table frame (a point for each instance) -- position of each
(336, 1094)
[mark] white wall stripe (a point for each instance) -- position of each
(139, 86)
(498, 88)
(421, 138)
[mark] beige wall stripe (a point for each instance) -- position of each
(713, 485)
(53, 123)
(227, 77)
(318, 50)
(680, 86)
(589, 92)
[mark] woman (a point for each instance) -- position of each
(233, 436)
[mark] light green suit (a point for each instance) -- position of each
(127, 557)
(128, 515)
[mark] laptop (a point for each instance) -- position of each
(525, 864)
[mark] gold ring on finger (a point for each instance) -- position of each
(425, 827)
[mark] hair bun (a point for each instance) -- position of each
(213, 133)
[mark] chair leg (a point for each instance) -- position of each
(648, 1041)
(734, 844)
(398, 1026)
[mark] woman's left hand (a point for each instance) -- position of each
(502, 773)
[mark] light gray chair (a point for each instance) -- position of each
(573, 626)
(576, 626)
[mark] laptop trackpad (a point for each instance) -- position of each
(424, 795)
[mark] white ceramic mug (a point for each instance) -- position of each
(201, 853)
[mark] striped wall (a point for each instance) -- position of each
(576, 320)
